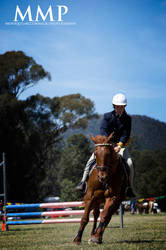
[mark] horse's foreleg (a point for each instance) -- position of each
(111, 205)
(84, 221)
(96, 213)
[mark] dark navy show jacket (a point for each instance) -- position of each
(121, 126)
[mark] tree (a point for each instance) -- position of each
(31, 131)
(74, 111)
(31, 139)
(32, 142)
(68, 192)
(150, 173)
(19, 72)
(48, 120)
(74, 158)
(134, 145)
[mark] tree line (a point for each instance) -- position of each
(40, 162)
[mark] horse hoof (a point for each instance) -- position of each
(95, 240)
(90, 241)
(76, 241)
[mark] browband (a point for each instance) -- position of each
(103, 144)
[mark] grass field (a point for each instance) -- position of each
(139, 232)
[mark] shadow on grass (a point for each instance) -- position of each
(41, 229)
(113, 227)
(31, 229)
(140, 241)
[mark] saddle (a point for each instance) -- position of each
(126, 168)
(128, 190)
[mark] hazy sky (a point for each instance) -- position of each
(102, 47)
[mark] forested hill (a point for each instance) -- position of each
(150, 133)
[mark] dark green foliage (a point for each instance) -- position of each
(73, 160)
(12, 139)
(30, 130)
(74, 111)
(68, 192)
(32, 143)
(150, 173)
(19, 72)
(74, 157)
(151, 133)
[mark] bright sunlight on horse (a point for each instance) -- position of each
(106, 186)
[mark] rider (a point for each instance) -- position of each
(119, 122)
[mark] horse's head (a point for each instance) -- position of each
(106, 157)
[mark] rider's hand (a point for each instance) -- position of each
(117, 149)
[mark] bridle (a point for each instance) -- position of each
(103, 144)
(102, 168)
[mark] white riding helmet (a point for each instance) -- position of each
(119, 99)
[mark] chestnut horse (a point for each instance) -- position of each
(106, 185)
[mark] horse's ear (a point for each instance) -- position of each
(110, 137)
(93, 138)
